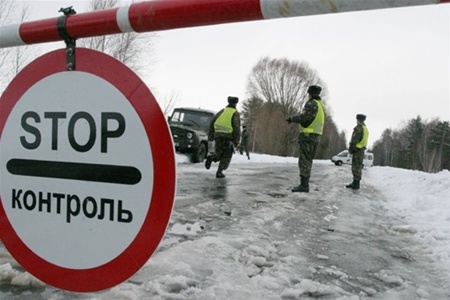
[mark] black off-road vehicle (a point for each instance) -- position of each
(189, 127)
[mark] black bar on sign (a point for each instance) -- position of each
(74, 171)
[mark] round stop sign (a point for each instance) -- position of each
(87, 171)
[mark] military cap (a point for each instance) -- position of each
(360, 117)
(233, 100)
(314, 90)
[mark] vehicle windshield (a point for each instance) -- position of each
(192, 118)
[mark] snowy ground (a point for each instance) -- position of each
(248, 237)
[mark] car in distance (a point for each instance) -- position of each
(345, 157)
(189, 128)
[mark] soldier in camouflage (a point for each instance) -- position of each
(243, 147)
(311, 121)
(225, 130)
(357, 147)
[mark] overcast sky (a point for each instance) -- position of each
(391, 64)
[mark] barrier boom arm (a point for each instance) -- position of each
(171, 14)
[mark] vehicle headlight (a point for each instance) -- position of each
(189, 135)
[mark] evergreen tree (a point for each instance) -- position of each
(418, 145)
(440, 143)
(414, 134)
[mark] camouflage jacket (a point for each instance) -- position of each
(306, 117)
(357, 136)
(244, 137)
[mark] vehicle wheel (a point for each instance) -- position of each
(200, 154)
(338, 163)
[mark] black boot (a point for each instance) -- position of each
(303, 187)
(219, 173)
(354, 185)
(208, 162)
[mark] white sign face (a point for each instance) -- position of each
(84, 197)
(70, 219)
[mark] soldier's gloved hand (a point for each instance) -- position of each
(289, 120)
(351, 149)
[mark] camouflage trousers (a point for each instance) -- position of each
(224, 152)
(357, 164)
(307, 151)
(244, 148)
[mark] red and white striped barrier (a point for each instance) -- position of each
(171, 14)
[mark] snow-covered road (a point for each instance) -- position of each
(248, 237)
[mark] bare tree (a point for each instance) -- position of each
(133, 49)
(250, 113)
(270, 123)
(169, 102)
(277, 89)
(282, 81)
(383, 149)
(5, 18)
(332, 140)
(12, 60)
(21, 56)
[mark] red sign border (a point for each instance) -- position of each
(164, 164)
